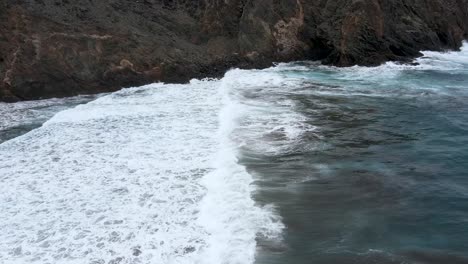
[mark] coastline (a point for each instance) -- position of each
(61, 49)
(284, 165)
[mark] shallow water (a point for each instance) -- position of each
(144, 175)
(19, 118)
(299, 163)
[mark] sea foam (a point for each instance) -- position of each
(144, 175)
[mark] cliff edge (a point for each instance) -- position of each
(55, 48)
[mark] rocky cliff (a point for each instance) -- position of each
(64, 47)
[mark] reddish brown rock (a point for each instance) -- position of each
(55, 48)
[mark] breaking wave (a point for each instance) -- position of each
(144, 175)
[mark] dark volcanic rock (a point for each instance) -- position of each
(51, 48)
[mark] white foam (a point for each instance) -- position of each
(448, 62)
(144, 175)
(451, 58)
(235, 225)
(151, 174)
(31, 112)
(387, 80)
(268, 121)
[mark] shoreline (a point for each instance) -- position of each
(60, 49)
(219, 69)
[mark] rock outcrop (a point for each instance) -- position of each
(54, 48)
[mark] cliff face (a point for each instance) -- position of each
(63, 47)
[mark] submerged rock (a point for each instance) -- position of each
(56, 48)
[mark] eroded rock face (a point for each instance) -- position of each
(52, 48)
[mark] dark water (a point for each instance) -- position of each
(378, 170)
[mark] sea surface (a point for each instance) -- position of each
(299, 163)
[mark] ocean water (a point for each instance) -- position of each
(144, 175)
(20, 118)
(299, 163)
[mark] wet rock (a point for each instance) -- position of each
(52, 48)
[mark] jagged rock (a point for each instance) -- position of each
(55, 48)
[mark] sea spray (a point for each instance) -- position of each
(228, 212)
(144, 175)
